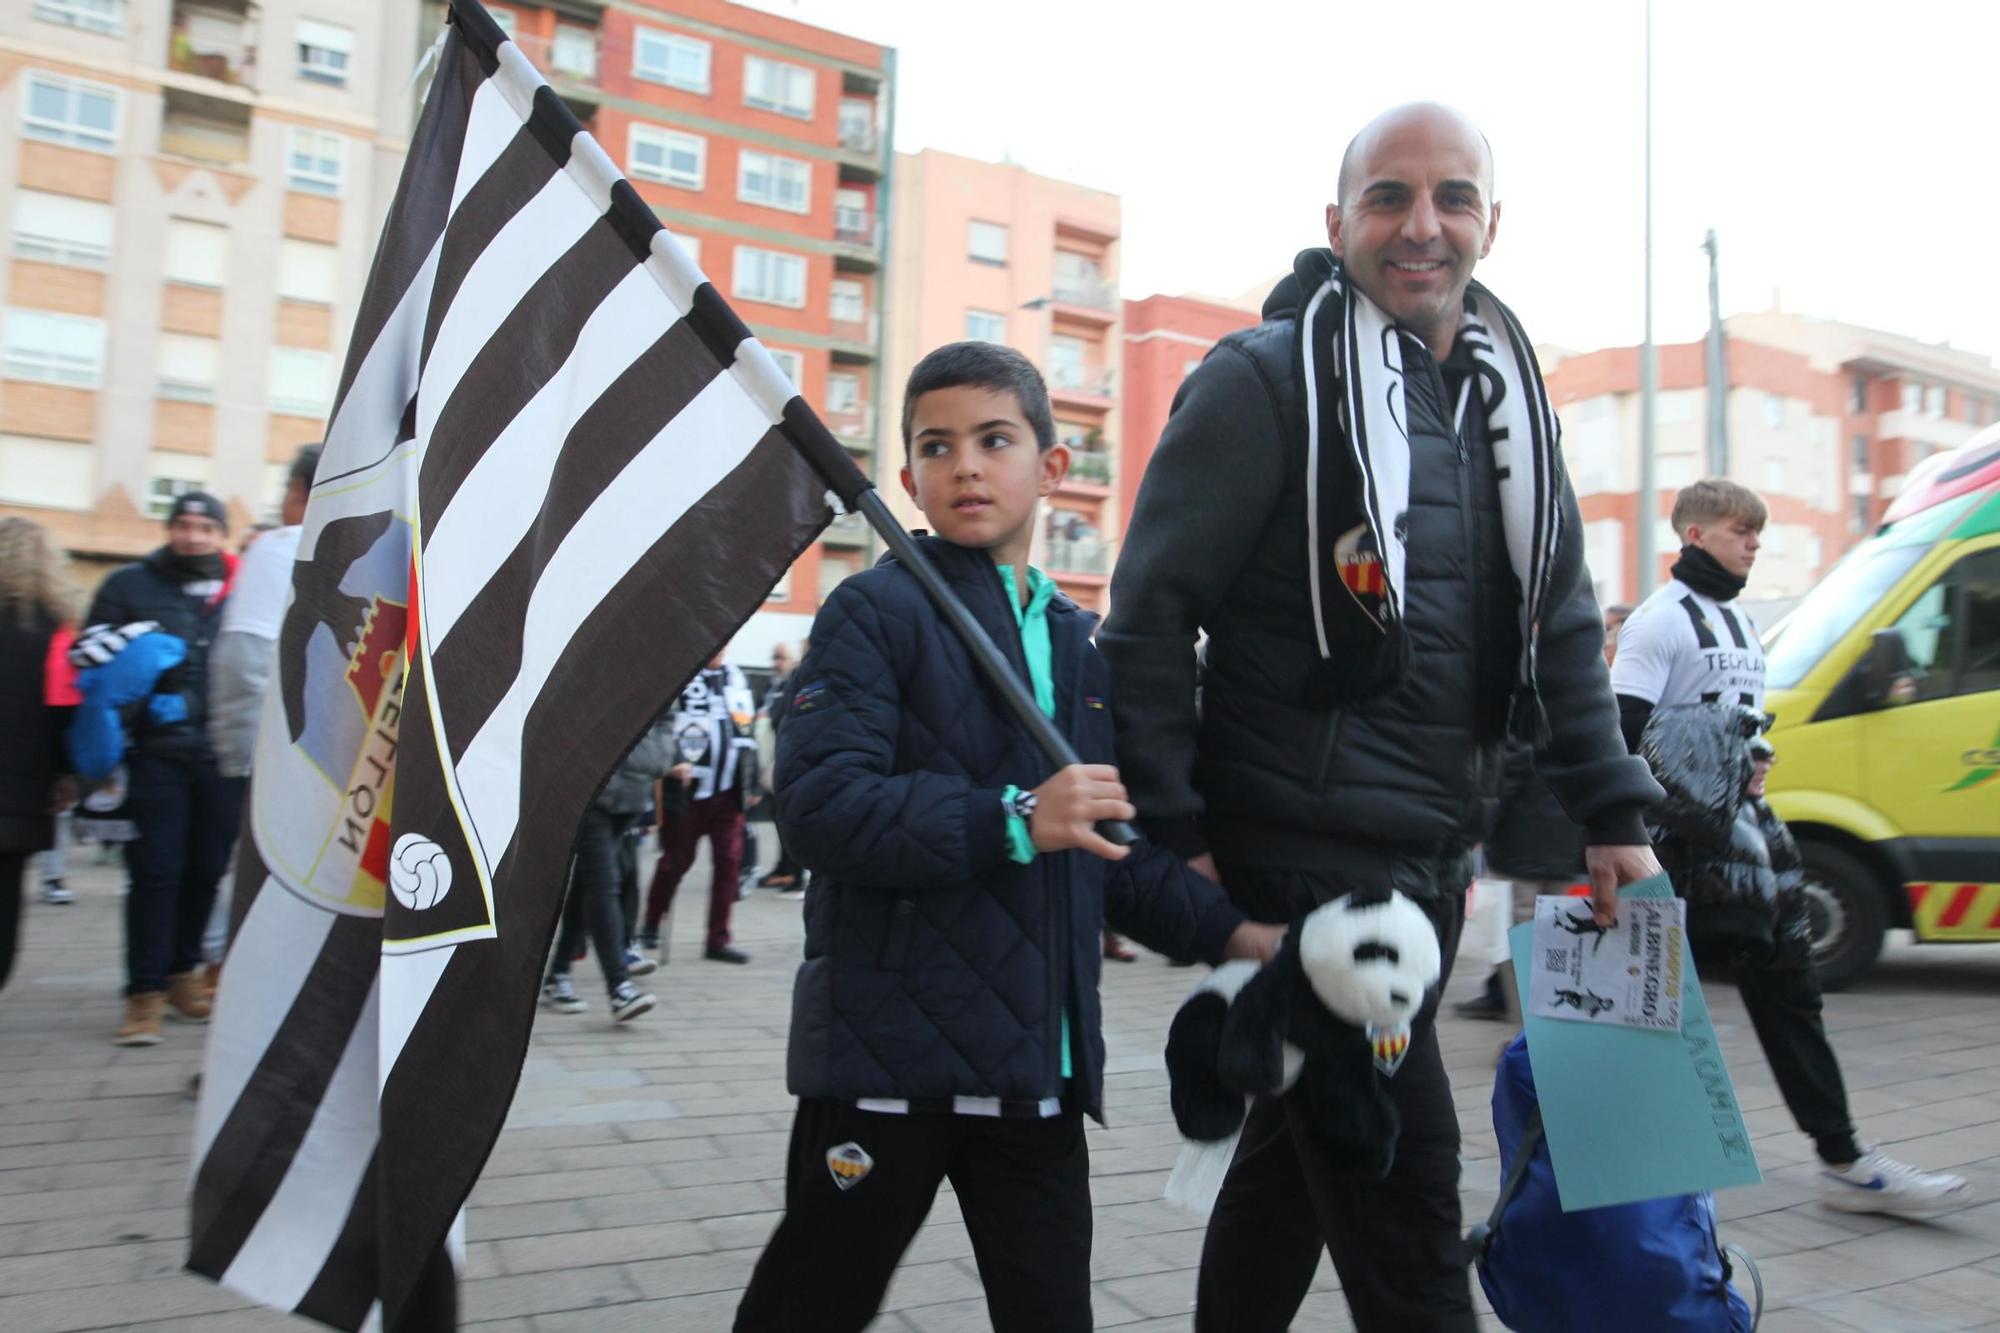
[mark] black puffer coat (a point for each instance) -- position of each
(936, 966)
(31, 736)
(187, 605)
(1290, 760)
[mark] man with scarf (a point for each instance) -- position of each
(1361, 502)
(185, 812)
(1689, 643)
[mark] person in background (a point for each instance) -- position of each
(786, 875)
(715, 767)
(37, 617)
(184, 811)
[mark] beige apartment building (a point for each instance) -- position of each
(994, 251)
(1824, 420)
(192, 191)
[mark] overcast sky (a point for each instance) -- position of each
(1848, 155)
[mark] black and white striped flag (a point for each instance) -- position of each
(559, 473)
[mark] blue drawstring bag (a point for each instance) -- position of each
(111, 692)
(1650, 1267)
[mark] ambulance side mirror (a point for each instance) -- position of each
(1888, 675)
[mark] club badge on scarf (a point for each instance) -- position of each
(1359, 564)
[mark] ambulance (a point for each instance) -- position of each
(1884, 684)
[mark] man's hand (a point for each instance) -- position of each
(1254, 940)
(1204, 865)
(682, 773)
(1611, 869)
(1069, 805)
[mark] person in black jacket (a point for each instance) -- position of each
(37, 606)
(945, 1020)
(186, 813)
(1361, 502)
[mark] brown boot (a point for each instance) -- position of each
(188, 998)
(142, 1020)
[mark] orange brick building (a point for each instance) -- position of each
(762, 143)
(1165, 338)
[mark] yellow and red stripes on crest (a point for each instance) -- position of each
(1955, 911)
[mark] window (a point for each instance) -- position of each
(669, 58)
(847, 302)
(307, 271)
(771, 277)
(301, 382)
(772, 85)
(324, 52)
(834, 570)
(988, 243)
(1858, 520)
(1066, 363)
(1952, 631)
(857, 125)
(575, 51)
(1859, 402)
(781, 591)
(313, 162)
(985, 326)
(774, 181)
(68, 111)
(792, 363)
(197, 252)
(1934, 401)
(851, 219)
(1774, 411)
(1912, 395)
(504, 19)
(54, 349)
(105, 16)
(56, 229)
(1860, 443)
(187, 368)
(843, 392)
(173, 474)
(668, 157)
(50, 474)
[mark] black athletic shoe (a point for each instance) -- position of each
(725, 954)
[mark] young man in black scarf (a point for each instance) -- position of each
(186, 813)
(1690, 643)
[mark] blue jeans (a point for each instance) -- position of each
(186, 815)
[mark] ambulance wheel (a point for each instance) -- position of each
(1849, 917)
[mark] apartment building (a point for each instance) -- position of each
(193, 191)
(761, 143)
(1166, 337)
(993, 251)
(1824, 420)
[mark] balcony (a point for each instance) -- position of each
(847, 530)
(1090, 467)
(858, 231)
(1085, 385)
(854, 426)
(860, 138)
(1087, 556)
(215, 41)
(1087, 294)
(205, 129)
(856, 339)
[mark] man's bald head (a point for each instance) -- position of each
(1435, 117)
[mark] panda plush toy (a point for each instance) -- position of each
(1331, 1014)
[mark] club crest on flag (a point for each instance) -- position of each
(850, 1165)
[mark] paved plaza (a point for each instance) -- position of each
(641, 1168)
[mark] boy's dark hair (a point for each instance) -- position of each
(982, 365)
(304, 464)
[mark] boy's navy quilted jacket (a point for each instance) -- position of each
(935, 966)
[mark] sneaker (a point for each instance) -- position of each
(142, 1020)
(1487, 1006)
(791, 895)
(187, 999)
(627, 1002)
(560, 996)
(648, 940)
(722, 953)
(55, 895)
(636, 962)
(1878, 1183)
(774, 880)
(1116, 949)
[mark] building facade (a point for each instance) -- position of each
(762, 144)
(1166, 337)
(193, 192)
(996, 252)
(1824, 420)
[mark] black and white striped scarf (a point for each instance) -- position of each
(1352, 363)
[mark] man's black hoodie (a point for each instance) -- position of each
(1291, 756)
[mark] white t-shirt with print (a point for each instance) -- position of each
(1680, 647)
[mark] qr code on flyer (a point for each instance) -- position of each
(1556, 960)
